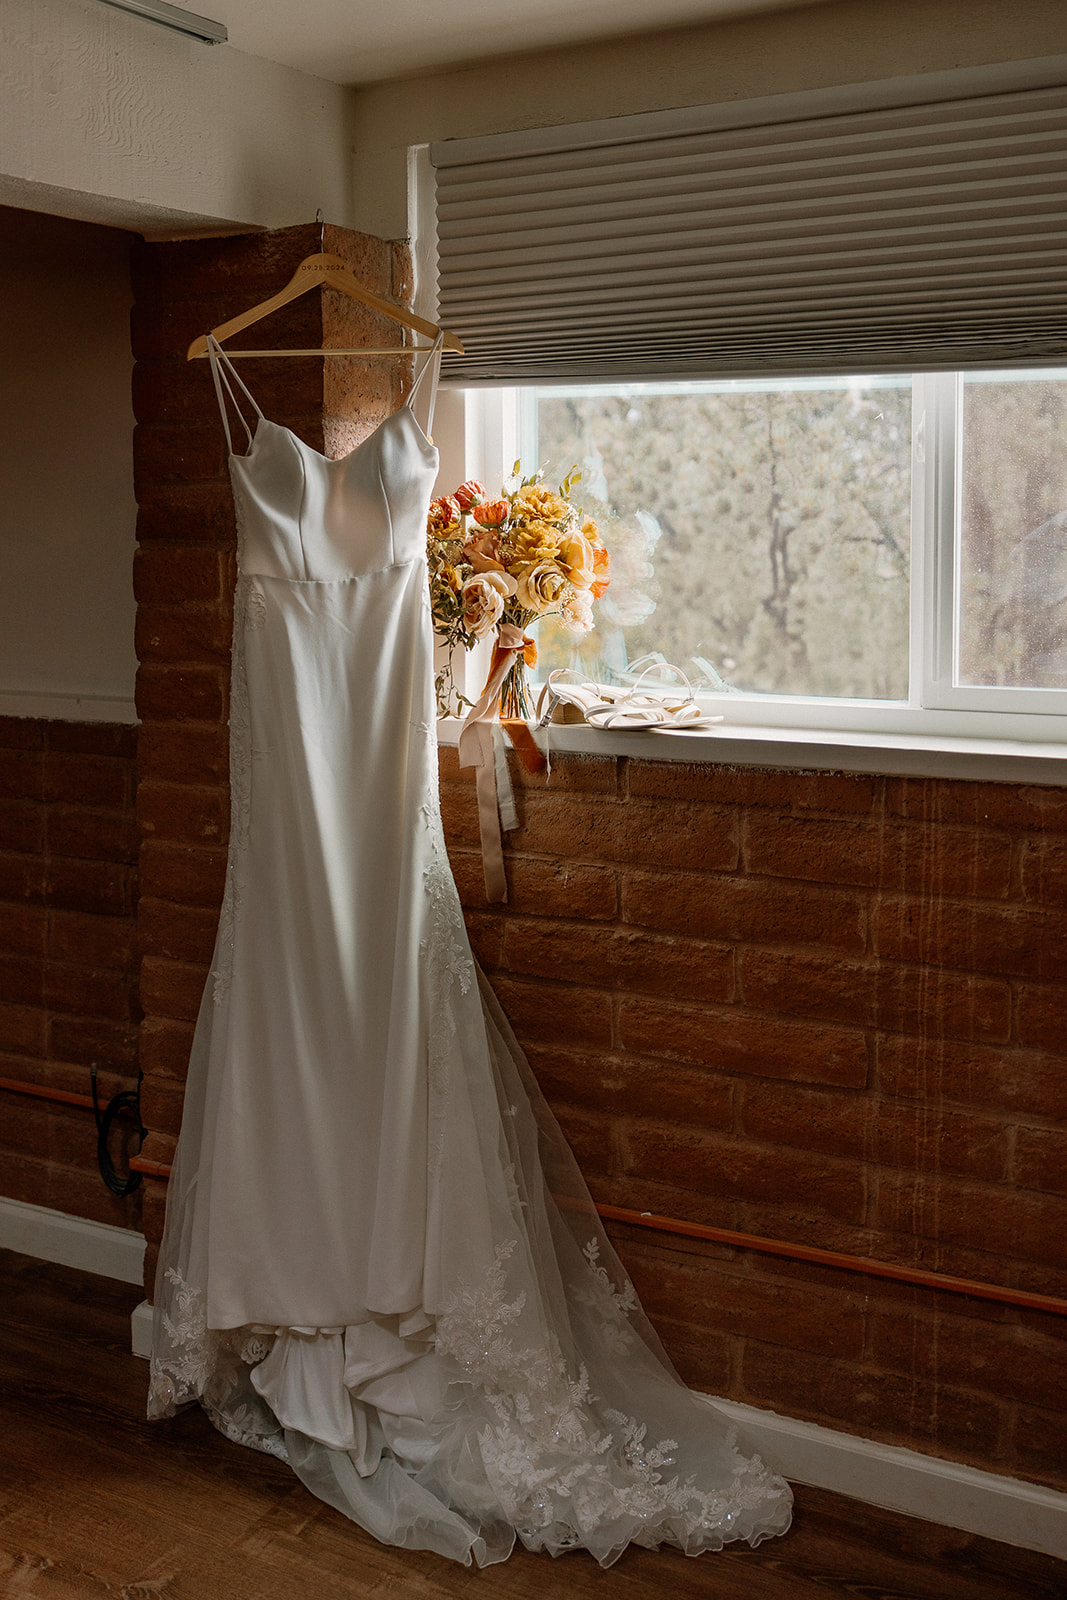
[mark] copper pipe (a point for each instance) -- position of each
(43, 1092)
(917, 1276)
(832, 1258)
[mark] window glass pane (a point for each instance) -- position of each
(759, 531)
(1012, 602)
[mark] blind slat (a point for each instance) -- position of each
(902, 237)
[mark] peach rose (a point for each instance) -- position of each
(483, 599)
(576, 613)
(576, 559)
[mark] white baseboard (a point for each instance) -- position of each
(944, 1492)
(71, 1241)
(938, 1491)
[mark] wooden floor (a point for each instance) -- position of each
(96, 1502)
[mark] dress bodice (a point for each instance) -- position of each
(308, 519)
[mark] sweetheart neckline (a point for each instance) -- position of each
(336, 461)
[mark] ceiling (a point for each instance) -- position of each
(365, 41)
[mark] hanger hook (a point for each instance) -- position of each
(320, 223)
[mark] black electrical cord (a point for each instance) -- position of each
(128, 1103)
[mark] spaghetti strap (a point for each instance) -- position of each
(433, 361)
(222, 370)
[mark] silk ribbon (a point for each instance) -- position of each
(476, 750)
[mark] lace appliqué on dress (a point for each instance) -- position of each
(559, 1475)
(194, 1362)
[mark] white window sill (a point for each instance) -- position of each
(814, 749)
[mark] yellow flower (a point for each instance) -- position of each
(536, 503)
(535, 540)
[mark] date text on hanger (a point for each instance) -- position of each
(332, 271)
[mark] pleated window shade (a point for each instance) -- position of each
(904, 238)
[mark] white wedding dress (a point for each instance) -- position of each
(380, 1262)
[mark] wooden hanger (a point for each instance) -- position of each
(330, 270)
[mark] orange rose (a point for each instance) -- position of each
(444, 514)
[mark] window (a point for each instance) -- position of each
(882, 552)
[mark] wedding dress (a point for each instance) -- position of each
(380, 1262)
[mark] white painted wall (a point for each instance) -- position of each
(739, 59)
(109, 118)
(67, 512)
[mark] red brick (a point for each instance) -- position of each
(889, 1133)
(743, 909)
(187, 267)
(189, 875)
(731, 1040)
(899, 1410)
(181, 933)
(983, 938)
(171, 988)
(162, 1102)
(21, 825)
(22, 877)
(1041, 1159)
(723, 1299)
(944, 801)
(970, 1074)
(82, 992)
(571, 774)
(96, 886)
(182, 694)
(589, 1138)
(485, 933)
(1038, 1445)
(544, 1013)
(693, 838)
(24, 1030)
(82, 1194)
(115, 739)
(629, 1086)
(88, 1039)
(197, 635)
(1016, 1224)
(22, 980)
(703, 1360)
(545, 887)
(23, 930)
(180, 753)
(173, 811)
(1009, 1361)
(181, 452)
(87, 780)
(735, 1169)
(187, 513)
(92, 941)
(908, 999)
(177, 575)
(165, 1047)
(22, 776)
(76, 831)
(619, 958)
(1041, 1016)
(22, 733)
(836, 850)
(1044, 871)
(753, 786)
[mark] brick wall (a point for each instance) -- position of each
(820, 1008)
(68, 961)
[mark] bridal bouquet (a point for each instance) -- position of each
(503, 563)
